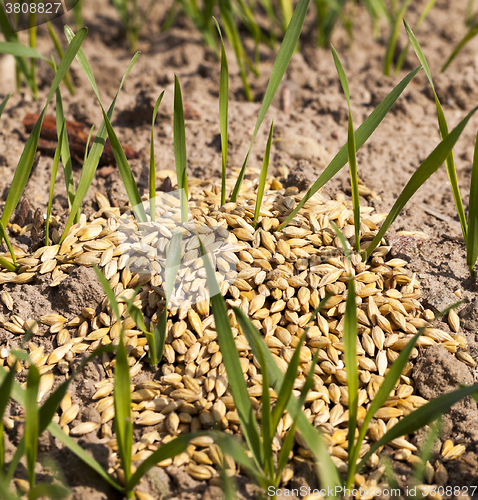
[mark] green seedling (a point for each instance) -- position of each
(25, 163)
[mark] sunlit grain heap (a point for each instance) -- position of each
(282, 276)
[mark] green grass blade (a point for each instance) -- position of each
(423, 172)
(472, 32)
(10, 36)
(91, 163)
(180, 149)
(109, 292)
(19, 50)
(403, 54)
(65, 149)
(267, 431)
(2, 449)
(223, 112)
(159, 334)
(54, 171)
(289, 380)
(152, 163)
(56, 431)
(48, 490)
(11, 267)
(59, 51)
(386, 387)
(119, 154)
(288, 442)
(231, 447)
(6, 389)
(169, 450)
(4, 103)
(472, 236)
(421, 417)
(25, 163)
(280, 65)
(329, 474)
(173, 261)
(352, 156)
(350, 358)
(450, 161)
(125, 171)
(426, 452)
(32, 423)
(230, 356)
(50, 406)
(361, 135)
(123, 419)
(48, 409)
(263, 176)
(392, 42)
(232, 34)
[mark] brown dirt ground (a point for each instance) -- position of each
(311, 134)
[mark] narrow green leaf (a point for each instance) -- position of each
(56, 431)
(288, 442)
(230, 356)
(125, 171)
(159, 334)
(229, 446)
(361, 135)
(52, 491)
(32, 423)
(280, 65)
(168, 450)
(25, 163)
(59, 51)
(386, 387)
(426, 451)
(403, 54)
(223, 112)
(180, 149)
(152, 163)
(288, 385)
(350, 359)
(19, 50)
(87, 149)
(137, 316)
(421, 417)
(352, 157)
(122, 403)
(6, 389)
(263, 176)
(392, 42)
(4, 103)
(232, 34)
(109, 292)
(472, 32)
(329, 474)
(50, 406)
(5, 263)
(2, 450)
(54, 171)
(472, 236)
(424, 171)
(65, 149)
(91, 163)
(267, 431)
(21, 62)
(450, 161)
(173, 261)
